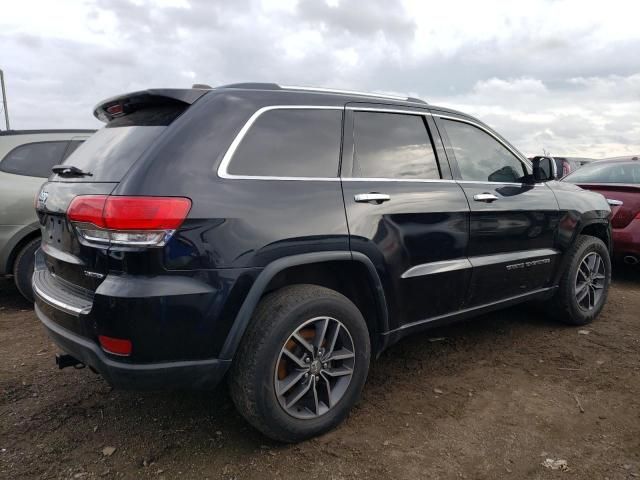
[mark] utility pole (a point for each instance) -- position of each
(4, 101)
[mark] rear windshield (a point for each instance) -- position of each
(612, 172)
(110, 152)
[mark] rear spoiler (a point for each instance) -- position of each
(120, 105)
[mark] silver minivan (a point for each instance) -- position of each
(26, 158)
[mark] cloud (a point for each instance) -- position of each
(556, 74)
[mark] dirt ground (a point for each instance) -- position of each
(490, 398)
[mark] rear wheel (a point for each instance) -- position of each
(302, 363)
(23, 269)
(584, 286)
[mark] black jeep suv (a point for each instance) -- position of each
(284, 236)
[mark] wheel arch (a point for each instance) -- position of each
(270, 279)
(597, 227)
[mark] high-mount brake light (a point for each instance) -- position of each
(115, 110)
(127, 221)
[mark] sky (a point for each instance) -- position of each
(555, 76)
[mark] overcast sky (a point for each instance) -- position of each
(557, 75)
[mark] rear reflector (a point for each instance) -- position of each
(115, 346)
(133, 221)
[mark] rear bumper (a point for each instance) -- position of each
(196, 374)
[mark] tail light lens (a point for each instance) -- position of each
(127, 221)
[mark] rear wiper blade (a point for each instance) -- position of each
(70, 171)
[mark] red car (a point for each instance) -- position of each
(619, 181)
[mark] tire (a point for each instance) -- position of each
(23, 269)
(565, 305)
(260, 363)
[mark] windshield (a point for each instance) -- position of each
(606, 172)
(110, 152)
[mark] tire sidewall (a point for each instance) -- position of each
(23, 269)
(270, 408)
(577, 313)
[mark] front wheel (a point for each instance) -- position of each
(302, 363)
(584, 286)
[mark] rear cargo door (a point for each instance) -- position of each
(134, 123)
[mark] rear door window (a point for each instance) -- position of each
(290, 143)
(394, 146)
(34, 159)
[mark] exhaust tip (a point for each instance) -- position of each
(631, 260)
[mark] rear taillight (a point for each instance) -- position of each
(127, 221)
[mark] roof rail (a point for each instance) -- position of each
(275, 86)
(352, 92)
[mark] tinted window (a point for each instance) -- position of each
(481, 157)
(391, 145)
(606, 173)
(34, 159)
(110, 152)
(290, 143)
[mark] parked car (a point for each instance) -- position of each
(285, 236)
(619, 181)
(26, 158)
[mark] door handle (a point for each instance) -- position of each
(371, 197)
(614, 203)
(485, 197)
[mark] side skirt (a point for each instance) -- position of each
(392, 336)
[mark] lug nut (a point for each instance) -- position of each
(324, 365)
(306, 360)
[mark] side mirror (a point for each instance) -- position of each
(544, 169)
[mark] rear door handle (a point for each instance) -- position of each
(614, 203)
(371, 197)
(485, 197)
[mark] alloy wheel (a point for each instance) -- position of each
(315, 368)
(590, 281)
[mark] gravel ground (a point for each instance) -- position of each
(490, 398)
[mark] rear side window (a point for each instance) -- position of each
(390, 145)
(34, 159)
(481, 157)
(290, 143)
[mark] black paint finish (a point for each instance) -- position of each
(191, 300)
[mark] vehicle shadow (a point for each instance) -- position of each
(10, 298)
(626, 274)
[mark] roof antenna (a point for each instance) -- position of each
(202, 86)
(4, 101)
